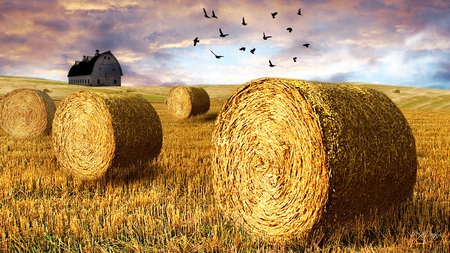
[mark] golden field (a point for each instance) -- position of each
(168, 204)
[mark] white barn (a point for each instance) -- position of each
(99, 70)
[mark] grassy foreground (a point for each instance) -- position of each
(168, 206)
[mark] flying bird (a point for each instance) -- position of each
(206, 14)
(242, 48)
(299, 12)
(274, 14)
(306, 45)
(266, 37)
(217, 56)
(253, 51)
(243, 22)
(289, 29)
(271, 65)
(196, 40)
(221, 33)
(214, 15)
(295, 59)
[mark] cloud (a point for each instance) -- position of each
(364, 40)
(443, 73)
(341, 77)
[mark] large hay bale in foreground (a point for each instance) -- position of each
(27, 113)
(292, 158)
(96, 133)
(184, 102)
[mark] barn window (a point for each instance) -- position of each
(115, 81)
(98, 81)
(99, 68)
(109, 58)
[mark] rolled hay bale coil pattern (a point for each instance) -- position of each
(184, 102)
(27, 113)
(95, 134)
(293, 157)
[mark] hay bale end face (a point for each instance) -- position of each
(184, 102)
(293, 157)
(95, 134)
(27, 113)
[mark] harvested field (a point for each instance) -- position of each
(169, 206)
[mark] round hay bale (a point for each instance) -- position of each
(292, 158)
(95, 134)
(184, 102)
(27, 113)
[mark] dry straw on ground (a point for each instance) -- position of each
(184, 102)
(96, 134)
(292, 158)
(27, 113)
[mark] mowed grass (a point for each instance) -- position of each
(168, 204)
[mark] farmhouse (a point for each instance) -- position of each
(102, 69)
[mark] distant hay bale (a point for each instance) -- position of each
(27, 113)
(292, 158)
(184, 102)
(95, 134)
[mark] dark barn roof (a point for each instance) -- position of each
(83, 68)
(86, 67)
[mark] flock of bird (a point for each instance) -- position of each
(265, 37)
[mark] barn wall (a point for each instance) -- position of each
(106, 71)
(83, 80)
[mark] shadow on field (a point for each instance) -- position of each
(147, 171)
(210, 117)
(416, 223)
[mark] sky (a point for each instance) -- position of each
(395, 42)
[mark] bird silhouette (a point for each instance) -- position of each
(217, 56)
(274, 14)
(214, 15)
(243, 22)
(271, 65)
(295, 59)
(221, 33)
(289, 29)
(253, 51)
(306, 45)
(266, 37)
(299, 12)
(242, 48)
(196, 40)
(206, 14)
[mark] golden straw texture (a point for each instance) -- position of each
(184, 102)
(96, 133)
(27, 113)
(293, 157)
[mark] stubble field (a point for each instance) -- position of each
(168, 204)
